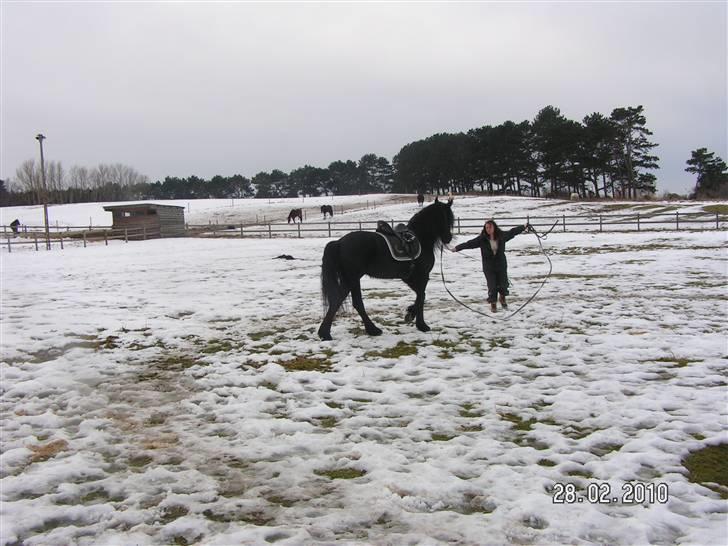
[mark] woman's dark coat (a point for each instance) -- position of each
(495, 266)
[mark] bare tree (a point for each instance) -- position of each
(29, 179)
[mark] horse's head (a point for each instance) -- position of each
(434, 222)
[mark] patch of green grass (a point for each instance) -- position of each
(280, 501)
(467, 411)
(159, 368)
(444, 343)
(617, 206)
(111, 342)
(471, 428)
(499, 342)
(217, 346)
(546, 462)
(399, 350)
(334, 405)
(716, 209)
(582, 472)
(575, 432)
(94, 497)
(327, 422)
(675, 361)
(258, 518)
(217, 517)
(257, 336)
(341, 474)
(306, 363)
(140, 460)
(709, 466)
(171, 513)
(442, 437)
(601, 450)
(517, 422)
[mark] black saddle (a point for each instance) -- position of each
(402, 242)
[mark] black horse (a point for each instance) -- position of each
(361, 253)
(420, 198)
(295, 213)
(327, 209)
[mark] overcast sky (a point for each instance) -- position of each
(180, 89)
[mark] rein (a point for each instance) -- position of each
(539, 237)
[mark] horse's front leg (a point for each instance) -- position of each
(417, 309)
(420, 311)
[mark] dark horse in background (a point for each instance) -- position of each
(420, 198)
(327, 209)
(361, 253)
(295, 213)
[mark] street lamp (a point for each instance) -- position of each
(39, 137)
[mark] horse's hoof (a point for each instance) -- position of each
(423, 328)
(374, 331)
(409, 316)
(325, 336)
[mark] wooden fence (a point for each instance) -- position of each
(34, 236)
(581, 223)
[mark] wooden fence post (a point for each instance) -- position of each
(144, 233)
(126, 235)
(241, 230)
(299, 230)
(9, 249)
(106, 238)
(717, 222)
(638, 221)
(84, 239)
(677, 220)
(270, 232)
(458, 225)
(330, 229)
(600, 223)
(564, 220)
(36, 243)
(61, 242)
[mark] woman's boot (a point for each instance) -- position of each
(503, 302)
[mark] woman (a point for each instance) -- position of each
(492, 243)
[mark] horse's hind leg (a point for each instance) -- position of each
(324, 330)
(358, 303)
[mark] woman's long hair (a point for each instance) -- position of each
(496, 230)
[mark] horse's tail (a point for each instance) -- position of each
(332, 285)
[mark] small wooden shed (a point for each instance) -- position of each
(148, 220)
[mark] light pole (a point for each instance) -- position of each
(39, 137)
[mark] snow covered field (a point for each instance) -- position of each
(174, 392)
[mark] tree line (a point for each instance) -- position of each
(599, 156)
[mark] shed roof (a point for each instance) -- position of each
(135, 206)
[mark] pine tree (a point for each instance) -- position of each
(632, 151)
(712, 174)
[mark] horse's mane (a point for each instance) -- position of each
(432, 220)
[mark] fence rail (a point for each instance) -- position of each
(34, 236)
